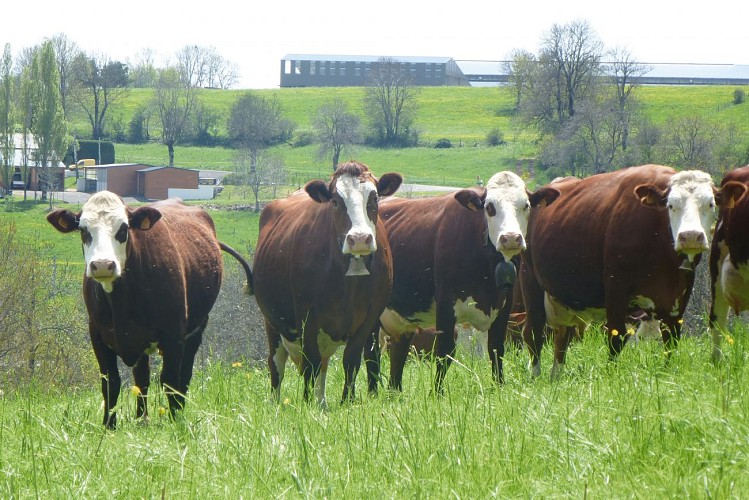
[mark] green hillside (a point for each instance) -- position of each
(463, 115)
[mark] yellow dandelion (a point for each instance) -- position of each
(135, 390)
(681, 321)
(236, 364)
(162, 411)
(630, 331)
(614, 332)
(286, 401)
(729, 339)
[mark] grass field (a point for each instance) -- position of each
(636, 428)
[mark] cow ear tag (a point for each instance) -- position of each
(356, 267)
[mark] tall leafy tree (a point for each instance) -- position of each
(48, 124)
(65, 52)
(7, 145)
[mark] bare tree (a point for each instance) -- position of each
(523, 70)
(691, 139)
(390, 99)
(99, 85)
(625, 72)
(258, 171)
(336, 129)
(143, 72)
(572, 54)
(173, 102)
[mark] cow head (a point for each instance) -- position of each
(690, 200)
(104, 224)
(506, 204)
(353, 195)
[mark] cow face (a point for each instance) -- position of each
(506, 204)
(690, 201)
(104, 224)
(354, 194)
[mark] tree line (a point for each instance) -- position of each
(587, 111)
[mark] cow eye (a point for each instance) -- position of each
(121, 234)
(490, 210)
(712, 205)
(85, 236)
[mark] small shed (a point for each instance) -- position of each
(154, 182)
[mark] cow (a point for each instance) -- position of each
(152, 275)
(615, 244)
(452, 263)
(729, 257)
(323, 273)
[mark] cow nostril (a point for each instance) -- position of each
(368, 239)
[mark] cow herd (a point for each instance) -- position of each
(344, 263)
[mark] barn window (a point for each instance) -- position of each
(287, 67)
(342, 69)
(357, 69)
(312, 67)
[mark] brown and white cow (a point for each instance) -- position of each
(613, 244)
(152, 276)
(729, 256)
(323, 273)
(451, 257)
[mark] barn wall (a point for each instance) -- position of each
(158, 182)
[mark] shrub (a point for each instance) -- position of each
(495, 137)
(303, 138)
(443, 144)
(739, 96)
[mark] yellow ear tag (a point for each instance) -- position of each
(145, 224)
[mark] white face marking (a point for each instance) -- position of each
(691, 211)
(355, 195)
(102, 217)
(506, 210)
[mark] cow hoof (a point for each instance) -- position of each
(717, 355)
(536, 369)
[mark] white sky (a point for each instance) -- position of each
(256, 35)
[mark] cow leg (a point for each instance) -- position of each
(445, 345)
(191, 346)
(277, 357)
(110, 379)
(671, 335)
(562, 338)
(312, 362)
(718, 320)
(142, 378)
(352, 354)
(372, 354)
(399, 348)
(496, 336)
(535, 317)
(176, 371)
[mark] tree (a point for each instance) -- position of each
(259, 171)
(625, 73)
(256, 123)
(522, 69)
(65, 53)
(390, 99)
(173, 102)
(99, 85)
(691, 140)
(336, 128)
(143, 73)
(7, 144)
(204, 67)
(48, 124)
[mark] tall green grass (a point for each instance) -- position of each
(639, 427)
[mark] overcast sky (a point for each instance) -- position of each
(256, 35)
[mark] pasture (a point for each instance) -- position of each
(639, 427)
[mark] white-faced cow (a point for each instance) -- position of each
(729, 255)
(323, 274)
(451, 258)
(614, 244)
(152, 276)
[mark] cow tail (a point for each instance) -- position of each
(248, 287)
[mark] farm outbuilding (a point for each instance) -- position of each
(310, 70)
(142, 181)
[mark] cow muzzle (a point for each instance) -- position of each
(510, 244)
(359, 244)
(691, 243)
(103, 269)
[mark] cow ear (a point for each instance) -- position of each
(389, 184)
(543, 196)
(318, 191)
(63, 220)
(470, 199)
(144, 218)
(651, 195)
(730, 194)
